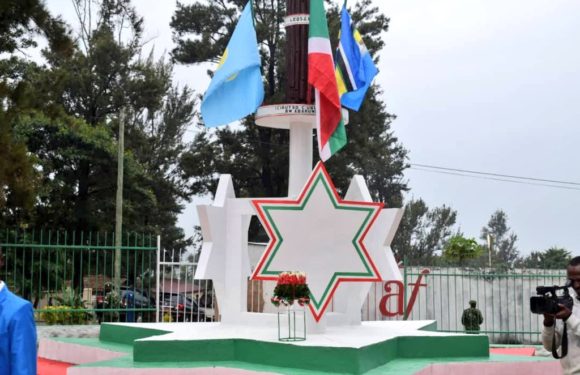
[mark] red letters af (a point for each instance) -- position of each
(399, 295)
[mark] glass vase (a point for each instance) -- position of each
(291, 322)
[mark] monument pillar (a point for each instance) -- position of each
(297, 113)
(296, 23)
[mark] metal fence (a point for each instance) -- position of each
(180, 297)
(443, 293)
(68, 275)
(426, 293)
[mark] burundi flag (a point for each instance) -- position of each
(355, 68)
(236, 89)
(329, 124)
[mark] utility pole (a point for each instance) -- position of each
(489, 247)
(119, 202)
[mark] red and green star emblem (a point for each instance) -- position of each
(319, 234)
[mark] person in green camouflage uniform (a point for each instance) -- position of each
(471, 318)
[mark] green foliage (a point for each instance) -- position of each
(22, 20)
(68, 297)
(42, 261)
(423, 231)
(286, 294)
(29, 270)
(214, 23)
(553, 258)
(60, 146)
(20, 23)
(459, 249)
(18, 179)
(64, 313)
(61, 132)
(504, 250)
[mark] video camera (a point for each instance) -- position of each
(547, 300)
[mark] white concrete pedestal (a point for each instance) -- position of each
(300, 119)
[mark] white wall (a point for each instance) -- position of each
(502, 297)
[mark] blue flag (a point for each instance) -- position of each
(355, 68)
(236, 89)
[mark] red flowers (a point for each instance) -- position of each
(291, 278)
(291, 286)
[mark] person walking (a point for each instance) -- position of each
(472, 318)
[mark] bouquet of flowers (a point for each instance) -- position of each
(291, 286)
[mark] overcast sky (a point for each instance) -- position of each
(490, 86)
(482, 85)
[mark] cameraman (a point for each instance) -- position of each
(554, 323)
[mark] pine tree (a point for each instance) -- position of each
(505, 251)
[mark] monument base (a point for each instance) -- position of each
(372, 348)
(216, 348)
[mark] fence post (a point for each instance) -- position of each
(157, 278)
(119, 203)
(405, 289)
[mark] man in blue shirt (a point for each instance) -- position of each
(17, 333)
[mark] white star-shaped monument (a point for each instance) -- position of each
(224, 257)
(350, 298)
(319, 234)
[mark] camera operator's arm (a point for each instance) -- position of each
(572, 321)
(565, 314)
(549, 331)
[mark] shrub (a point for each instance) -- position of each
(63, 315)
(70, 309)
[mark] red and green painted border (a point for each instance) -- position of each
(320, 176)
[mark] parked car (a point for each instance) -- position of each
(182, 309)
(135, 298)
(140, 296)
(130, 300)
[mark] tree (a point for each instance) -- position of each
(107, 72)
(18, 179)
(63, 122)
(553, 258)
(459, 249)
(20, 23)
(504, 248)
(422, 232)
(257, 157)
(70, 129)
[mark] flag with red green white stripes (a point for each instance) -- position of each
(321, 75)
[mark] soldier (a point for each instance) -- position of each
(472, 318)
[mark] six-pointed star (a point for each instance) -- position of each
(319, 234)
